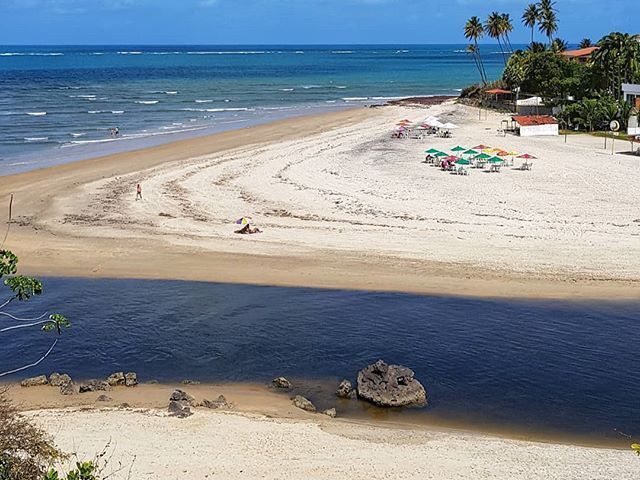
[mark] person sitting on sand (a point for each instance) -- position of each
(248, 230)
(138, 192)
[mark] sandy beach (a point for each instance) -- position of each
(343, 205)
(264, 436)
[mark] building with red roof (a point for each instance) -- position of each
(535, 125)
(582, 55)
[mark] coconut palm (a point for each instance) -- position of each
(536, 47)
(507, 28)
(590, 113)
(530, 18)
(548, 21)
(618, 61)
(558, 45)
(585, 43)
(493, 27)
(473, 31)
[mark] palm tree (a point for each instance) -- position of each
(530, 17)
(618, 61)
(473, 31)
(585, 43)
(548, 21)
(536, 47)
(558, 45)
(507, 28)
(589, 113)
(493, 28)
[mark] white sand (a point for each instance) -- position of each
(354, 190)
(230, 446)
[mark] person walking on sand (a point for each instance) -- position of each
(138, 192)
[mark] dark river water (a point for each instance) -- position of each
(539, 368)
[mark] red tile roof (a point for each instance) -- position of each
(498, 91)
(583, 52)
(533, 120)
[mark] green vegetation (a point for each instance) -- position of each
(23, 288)
(586, 92)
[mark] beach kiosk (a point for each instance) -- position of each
(535, 125)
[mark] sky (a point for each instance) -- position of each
(227, 22)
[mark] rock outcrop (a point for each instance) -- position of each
(180, 403)
(220, 402)
(94, 386)
(331, 412)
(345, 390)
(58, 379)
(104, 398)
(390, 386)
(116, 379)
(68, 388)
(34, 381)
(304, 403)
(281, 382)
(131, 379)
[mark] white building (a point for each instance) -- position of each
(632, 96)
(535, 125)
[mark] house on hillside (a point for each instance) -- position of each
(535, 125)
(582, 55)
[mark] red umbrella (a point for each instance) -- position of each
(451, 158)
(526, 156)
(480, 147)
(502, 154)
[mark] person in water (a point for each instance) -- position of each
(138, 192)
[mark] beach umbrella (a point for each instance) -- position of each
(462, 161)
(437, 124)
(481, 147)
(482, 156)
(526, 156)
(431, 151)
(452, 158)
(471, 152)
(431, 119)
(502, 153)
(449, 126)
(441, 154)
(243, 220)
(495, 160)
(458, 149)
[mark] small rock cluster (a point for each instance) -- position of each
(299, 401)
(180, 403)
(69, 387)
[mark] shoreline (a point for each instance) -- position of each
(260, 399)
(52, 242)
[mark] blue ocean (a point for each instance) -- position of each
(58, 103)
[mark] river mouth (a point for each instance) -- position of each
(546, 370)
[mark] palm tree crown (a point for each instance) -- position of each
(530, 17)
(548, 20)
(585, 43)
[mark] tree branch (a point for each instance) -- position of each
(33, 364)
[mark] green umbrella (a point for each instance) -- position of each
(496, 160)
(442, 154)
(483, 156)
(471, 152)
(463, 162)
(458, 149)
(432, 151)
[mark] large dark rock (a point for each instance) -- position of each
(34, 381)
(390, 386)
(345, 390)
(68, 388)
(304, 403)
